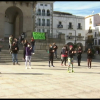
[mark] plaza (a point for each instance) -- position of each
(43, 81)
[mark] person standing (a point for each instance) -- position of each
(32, 44)
(14, 49)
(55, 49)
(24, 48)
(79, 52)
(64, 55)
(10, 42)
(51, 55)
(22, 36)
(89, 57)
(70, 57)
(28, 55)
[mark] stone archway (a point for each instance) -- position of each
(13, 21)
(69, 43)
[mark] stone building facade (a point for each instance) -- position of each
(15, 18)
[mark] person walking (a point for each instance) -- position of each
(70, 58)
(55, 49)
(14, 49)
(51, 55)
(24, 48)
(89, 57)
(64, 55)
(28, 55)
(32, 44)
(79, 52)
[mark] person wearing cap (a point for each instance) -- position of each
(70, 57)
(28, 55)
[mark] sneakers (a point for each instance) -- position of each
(61, 64)
(68, 71)
(52, 66)
(72, 71)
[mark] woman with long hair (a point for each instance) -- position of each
(89, 57)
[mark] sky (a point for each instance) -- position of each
(79, 8)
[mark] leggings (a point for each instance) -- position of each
(89, 62)
(51, 60)
(64, 60)
(28, 59)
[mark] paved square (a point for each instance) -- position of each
(43, 81)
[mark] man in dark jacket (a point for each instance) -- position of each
(14, 49)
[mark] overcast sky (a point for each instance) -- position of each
(79, 8)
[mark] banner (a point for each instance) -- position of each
(38, 35)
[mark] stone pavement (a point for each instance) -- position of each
(49, 82)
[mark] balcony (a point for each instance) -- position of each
(70, 37)
(89, 31)
(80, 37)
(70, 27)
(38, 14)
(80, 27)
(59, 26)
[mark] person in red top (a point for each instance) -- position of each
(64, 55)
(32, 44)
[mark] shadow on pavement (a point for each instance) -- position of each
(26, 73)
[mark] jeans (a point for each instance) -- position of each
(33, 48)
(14, 58)
(55, 53)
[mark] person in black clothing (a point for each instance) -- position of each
(32, 44)
(16, 41)
(14, 49)
(24, 48)
(64, 55)
(70, 57)
(51, 55)
(89, 57)
(79, 52)
(55, 49)
(22, 36)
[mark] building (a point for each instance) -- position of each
(15, 18)
(92, 28)
(72, 26)
(43, 17)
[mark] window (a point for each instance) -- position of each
(43, 22)
(41, 4)
(95, 42)
(90, 21)
(39, 21)
(43, 12)
(39, 12)
(48, 13)
(48, 22)
(99, 42)
(70, 25)
(79, 25)
(45, 4)
(95, 34)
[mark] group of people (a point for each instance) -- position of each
(28, 50)
(67, 53)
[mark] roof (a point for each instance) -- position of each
(57, 12)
